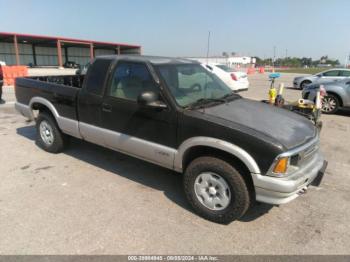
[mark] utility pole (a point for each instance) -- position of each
(286, 53)
(274, 58)
(208, 46)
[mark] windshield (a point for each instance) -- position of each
(190, 83)
(225, 68)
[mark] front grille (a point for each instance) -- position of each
(307, 155)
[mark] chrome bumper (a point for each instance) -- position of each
(275, 191)
(24, 110)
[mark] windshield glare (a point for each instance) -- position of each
(189, 83)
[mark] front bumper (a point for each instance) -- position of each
(241, 90)
(238, 86)
(276, 191)
(309, 94)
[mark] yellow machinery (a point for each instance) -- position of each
(307, 108)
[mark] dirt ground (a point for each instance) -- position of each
(91, 200)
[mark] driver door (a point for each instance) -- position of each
(149, 133)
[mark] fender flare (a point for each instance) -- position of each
(44, 102)
(68, 126)
(230, 148)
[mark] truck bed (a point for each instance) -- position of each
(66, 80)
(61, 91)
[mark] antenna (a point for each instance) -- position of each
(208, 46)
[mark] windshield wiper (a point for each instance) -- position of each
(230, 95)
(203, 101)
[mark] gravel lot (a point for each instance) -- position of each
(90, 200)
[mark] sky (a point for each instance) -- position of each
(310, 28)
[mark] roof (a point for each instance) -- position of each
(41, 39)
(152, 59)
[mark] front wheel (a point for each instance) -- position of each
(330, 104)
(49, 136)
(216, 190)
(304, 84)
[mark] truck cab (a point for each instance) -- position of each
(176, 114)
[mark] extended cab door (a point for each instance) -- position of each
(91, 96)
(90, 100)
(145, 132)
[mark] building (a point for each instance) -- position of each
(38, 50)
(231, 61)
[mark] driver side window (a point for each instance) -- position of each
(130, 80)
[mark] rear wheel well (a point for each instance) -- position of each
(199, 151)
(306, 81)
(41, 108)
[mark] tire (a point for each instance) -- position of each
(200, 194)
(330, 104)
(304, 83)
(49, 137)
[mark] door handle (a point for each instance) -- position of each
(106, 108)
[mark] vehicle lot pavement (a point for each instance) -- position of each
(90, 200)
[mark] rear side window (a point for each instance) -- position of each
(97, 75)
(345, 73)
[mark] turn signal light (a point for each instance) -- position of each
(281, 165)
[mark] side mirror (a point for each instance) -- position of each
(319, 75)
(150, 99)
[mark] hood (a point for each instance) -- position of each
(298, 78)
(288, 128)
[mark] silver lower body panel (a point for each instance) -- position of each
(276, 191)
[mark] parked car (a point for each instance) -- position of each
(334, 74)
(338, 95)
(176, 114)
(237, 81)
(83, 70)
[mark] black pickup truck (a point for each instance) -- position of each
(174, 113)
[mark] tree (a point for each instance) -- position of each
(324, 59)
(296, 61)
